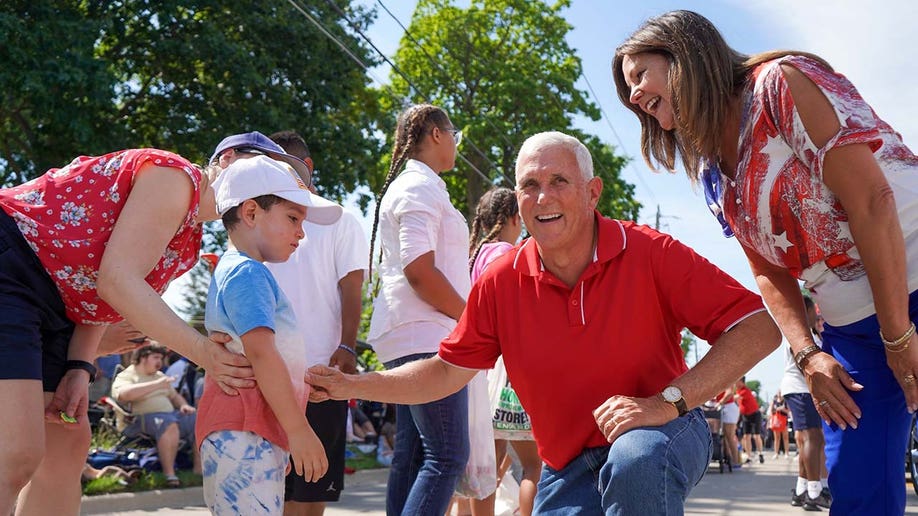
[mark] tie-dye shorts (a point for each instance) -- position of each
(243, 473)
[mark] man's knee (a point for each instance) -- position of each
(170, 434)
(637, 456)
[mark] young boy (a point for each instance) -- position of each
(245, 439)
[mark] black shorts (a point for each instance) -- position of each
(34, 329)
(329, 421)
(803, 411)
(752, 423)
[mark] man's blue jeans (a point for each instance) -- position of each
(647, 471)
(431, 452)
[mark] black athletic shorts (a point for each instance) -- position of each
(329, 421)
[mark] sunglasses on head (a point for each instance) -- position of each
(249, 150)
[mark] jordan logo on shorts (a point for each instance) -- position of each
(331, 487)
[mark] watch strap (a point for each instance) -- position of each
(681, 406)
(81, 364)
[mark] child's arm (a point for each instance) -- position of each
(306, 451)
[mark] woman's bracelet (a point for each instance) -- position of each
(348, 349)
(900, 344)
(804, 354)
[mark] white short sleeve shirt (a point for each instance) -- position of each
(310, 279)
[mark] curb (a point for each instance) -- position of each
(157, 498)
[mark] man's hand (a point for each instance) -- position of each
(120, 338)
(71, 399)
(165, 381)
(344, 360)
(229, 370)
(619, 414)
(327, 384)
(186, 409)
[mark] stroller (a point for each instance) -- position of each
(719, 452)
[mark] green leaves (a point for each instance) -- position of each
(503, 71)
(93, 77)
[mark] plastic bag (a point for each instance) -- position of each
(479, 479)
(507, 502)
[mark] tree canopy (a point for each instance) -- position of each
(503, 71)
(93, 77)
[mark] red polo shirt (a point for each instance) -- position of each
(747, 403)
(617, 331)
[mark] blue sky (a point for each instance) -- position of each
(873, 43)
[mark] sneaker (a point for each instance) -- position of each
(737, 466)
(761, 459)
(809, 504)
(796, 499)
(824, 499)
(774, 457)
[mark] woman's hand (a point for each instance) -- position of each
(231, 371)
(71, 399)
(120, 338)
(829, 384)
(904, 366)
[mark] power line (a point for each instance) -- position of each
(439, 67)
(445, 74)
(412, 86)
(621, 144)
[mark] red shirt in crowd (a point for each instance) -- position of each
(747, 403)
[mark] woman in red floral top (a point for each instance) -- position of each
(817, 188)
(80, 247)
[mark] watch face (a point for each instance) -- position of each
(672, 394)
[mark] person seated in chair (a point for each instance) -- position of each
(160, 411)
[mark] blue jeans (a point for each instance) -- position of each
(431, 451)
(647, 471)
(865, 464)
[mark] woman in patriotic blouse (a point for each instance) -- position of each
(817, 188)
(81, 247)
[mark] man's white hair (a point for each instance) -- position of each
(547, 139)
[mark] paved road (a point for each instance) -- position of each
(759, 490)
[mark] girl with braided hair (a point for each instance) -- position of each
(424, 281)
(495, 230)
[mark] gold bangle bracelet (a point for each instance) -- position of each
(899, 349)
(893, 345)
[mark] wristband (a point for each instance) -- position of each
(348, 349)
(81, 364)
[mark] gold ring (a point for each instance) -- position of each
(823, 403)
(909, 378)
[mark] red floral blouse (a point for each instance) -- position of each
(67, 216)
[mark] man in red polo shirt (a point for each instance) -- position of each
(751, 419)
(588, 315)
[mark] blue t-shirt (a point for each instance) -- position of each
(244, 296)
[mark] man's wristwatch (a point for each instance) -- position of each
(673, 395)
(81, 364)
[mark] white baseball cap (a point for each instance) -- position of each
(253, 177)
